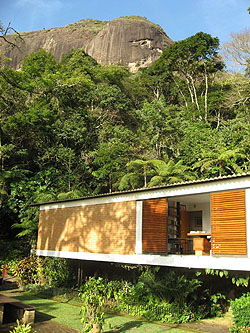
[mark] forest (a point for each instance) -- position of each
(77, 128)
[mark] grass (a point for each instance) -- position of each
(69, 315)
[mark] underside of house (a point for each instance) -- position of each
(202, 224)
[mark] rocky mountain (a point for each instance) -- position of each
(133, 41)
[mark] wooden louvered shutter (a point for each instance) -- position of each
(154, 226)
(228, 217)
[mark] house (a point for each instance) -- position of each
(199, 224)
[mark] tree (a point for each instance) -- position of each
(137, 175)
(220, 162)
(113, 105)
(237, 50)
(114, 151)
(112, 74)
(158, 129)
(193, 60)
(25, 191)
(78, 62)
(108, 163)
(169, 173)
(236, 99)
(13, 39)
(154, 173)
(38, 64)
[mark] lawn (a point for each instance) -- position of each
(69, 315)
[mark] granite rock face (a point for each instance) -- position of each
(131, 41)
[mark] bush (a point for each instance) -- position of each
(92, 295)
(143, 299)
(170, 286)
(54, 272)
(218, 305)
(241, 315)
(57, 272)
(22, 328)
(28, 270)
(12, 251)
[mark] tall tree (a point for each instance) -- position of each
(237, 51)
(193, 60)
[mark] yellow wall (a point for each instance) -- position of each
(103, 228)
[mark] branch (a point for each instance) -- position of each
(5, 31)
(13, 83)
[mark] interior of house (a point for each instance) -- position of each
(188, 219)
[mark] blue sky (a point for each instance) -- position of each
(179, 18)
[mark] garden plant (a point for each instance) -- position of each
(92, 295)
(241, 315)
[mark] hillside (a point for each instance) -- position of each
(131, 41)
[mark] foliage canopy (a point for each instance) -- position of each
(75, 128)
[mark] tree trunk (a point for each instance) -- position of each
(190, 90)
(181, 92)
(145, 175)
(195, 94)
(206, 92)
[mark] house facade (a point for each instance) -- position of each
(201, 224)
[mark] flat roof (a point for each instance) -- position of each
(148, 189)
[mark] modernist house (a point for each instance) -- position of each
(199, 224)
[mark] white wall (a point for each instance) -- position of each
(206, 214)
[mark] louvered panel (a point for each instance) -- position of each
(228, 217)
(154, 226)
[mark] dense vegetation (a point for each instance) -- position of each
(240, 306)
(76, 128)
(154, 293)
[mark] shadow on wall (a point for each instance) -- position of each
(103, 228)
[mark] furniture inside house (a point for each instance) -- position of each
(178, 228)
(201, 244)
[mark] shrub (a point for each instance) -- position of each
(170, 286)
(168, 297)
(241, 315)
(218, 304)
(54, 272)
(22, 328)
(143, 301)
(12, 251)
(57, 272)
(93, 296)
(27, 270)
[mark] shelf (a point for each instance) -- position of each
(172, 211)
(172, 222)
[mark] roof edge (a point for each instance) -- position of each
(143, 189)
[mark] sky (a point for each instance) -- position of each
(178, 18)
